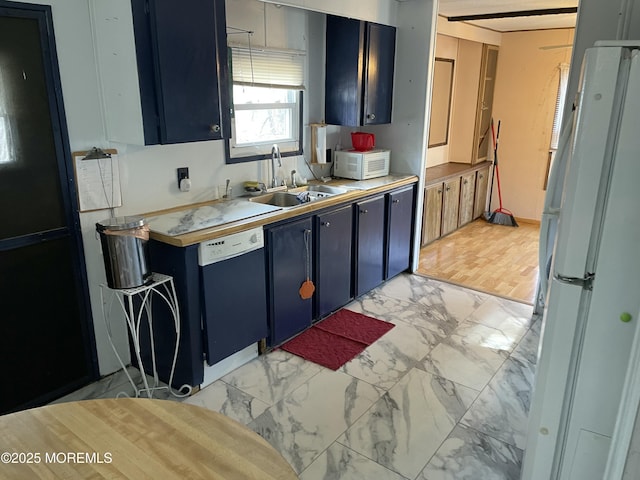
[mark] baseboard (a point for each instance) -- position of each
(530, 221)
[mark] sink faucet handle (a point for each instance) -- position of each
(293, 179)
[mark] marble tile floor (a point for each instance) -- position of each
(115, 386)
(443, 395)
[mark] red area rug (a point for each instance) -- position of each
(338, 338)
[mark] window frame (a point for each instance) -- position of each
(288, 148)
(254, 68)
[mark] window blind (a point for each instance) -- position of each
(557, 116)
(268, 68)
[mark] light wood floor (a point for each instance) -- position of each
(497, 259)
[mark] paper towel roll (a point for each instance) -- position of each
(319, 140)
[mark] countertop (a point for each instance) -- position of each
(445, 171)
(192, 224)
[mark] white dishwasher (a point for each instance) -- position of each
(234, 300)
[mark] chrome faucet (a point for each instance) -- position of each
(275, 152)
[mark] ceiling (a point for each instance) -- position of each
(453, 8)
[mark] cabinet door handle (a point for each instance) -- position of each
(396, 201)
(439, 190)
(326, 224)
(371, 116)
(448, 188)
(466, 181)
(214, 128)
(364, 211)
(481, 176)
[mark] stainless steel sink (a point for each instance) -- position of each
(299, 196)
(278, 199)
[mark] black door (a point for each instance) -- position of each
(46, 343)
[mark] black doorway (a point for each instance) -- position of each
(47, 346)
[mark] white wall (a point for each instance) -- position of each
(525, 96)
(407, 135)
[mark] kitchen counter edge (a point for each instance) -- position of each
(211, 233)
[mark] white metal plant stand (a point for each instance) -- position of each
(140, 299)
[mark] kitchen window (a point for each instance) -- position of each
(267, 103)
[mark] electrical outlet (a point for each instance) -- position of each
(182, 174)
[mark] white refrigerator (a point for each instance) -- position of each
(593, 294)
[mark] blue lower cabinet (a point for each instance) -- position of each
(334, 233)
(182, 264)
(400, 227)
(290, 248)
(370, 254)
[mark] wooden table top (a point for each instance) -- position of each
(133, 439)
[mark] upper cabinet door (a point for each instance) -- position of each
(359, 72)
(163, 69)
(378, 91)
(344, 71)
(189, 45)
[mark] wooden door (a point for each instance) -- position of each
(450, 205)
(480, 201)
(432, 213)
(46, 333)
(467, 189)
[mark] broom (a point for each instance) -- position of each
(500, 216)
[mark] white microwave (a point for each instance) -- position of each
(361, 165)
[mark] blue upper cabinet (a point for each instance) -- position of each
(163, 69)
(359, 72)
(186, 76)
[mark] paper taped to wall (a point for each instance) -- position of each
(97, 181)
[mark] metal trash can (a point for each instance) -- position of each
(124, 247)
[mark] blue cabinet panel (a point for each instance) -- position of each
(334, 232)
(378, 94)
(400, 221)
(288, 260)
(183, 70)
(182, 264)
(370, 219)
(345, 69)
